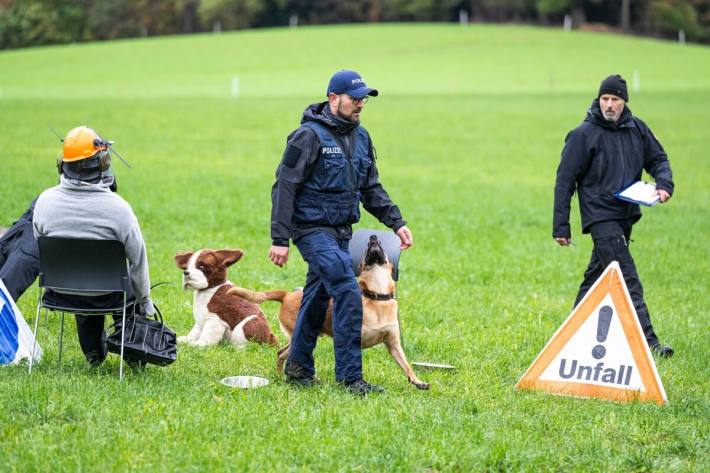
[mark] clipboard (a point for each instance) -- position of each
(639, 192)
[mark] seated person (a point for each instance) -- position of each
(19, 253)
(83, 206)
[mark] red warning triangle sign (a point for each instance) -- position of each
(599, 351)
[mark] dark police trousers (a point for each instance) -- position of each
(611, 242)
(330, 275)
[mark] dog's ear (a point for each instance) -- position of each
(181, 259)
(228, 257)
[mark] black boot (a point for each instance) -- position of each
(362, 387)
(95, 359)
(296, 374)
(664, 351)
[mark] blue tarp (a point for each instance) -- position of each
(9, 341)
(15, 335)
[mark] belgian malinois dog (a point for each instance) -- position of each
(379, 309)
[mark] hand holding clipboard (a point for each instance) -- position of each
(643, 193)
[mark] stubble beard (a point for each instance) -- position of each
(349, 118)
(611, 116)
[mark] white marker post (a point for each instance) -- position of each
(568, 24)
(463, 17)
(637, 81)
(235, 86)
(681, 37)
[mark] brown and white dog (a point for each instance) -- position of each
(379, 309)
(219, 315)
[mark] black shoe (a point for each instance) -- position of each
(296, 374)
(362, 387)
(664, 351)
(95, 360)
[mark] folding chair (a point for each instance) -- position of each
(88, 268)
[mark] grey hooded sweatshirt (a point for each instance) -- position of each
(77, 209)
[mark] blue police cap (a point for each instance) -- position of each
(351, 83)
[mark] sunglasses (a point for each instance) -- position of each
(362, 100)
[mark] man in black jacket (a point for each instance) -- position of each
(19, 255)
(327, 170)
(603, 155)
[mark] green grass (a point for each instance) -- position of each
(468, 128)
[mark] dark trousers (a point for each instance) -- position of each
(19, 269)
(611, 242)
(90, 328)
(330, 275)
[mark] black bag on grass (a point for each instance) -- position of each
(148, 340)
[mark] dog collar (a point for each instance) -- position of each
(377, 297)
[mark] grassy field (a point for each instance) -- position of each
(468, 127)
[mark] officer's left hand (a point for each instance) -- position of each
(664, 195)
(278, 255)
(406, 238)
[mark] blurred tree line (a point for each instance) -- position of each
(37, 22)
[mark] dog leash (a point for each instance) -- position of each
(160, 284)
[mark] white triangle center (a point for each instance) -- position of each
(575, 363)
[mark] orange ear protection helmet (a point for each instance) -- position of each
(81, 143)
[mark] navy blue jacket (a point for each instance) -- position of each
(327, 170)
(600, 158)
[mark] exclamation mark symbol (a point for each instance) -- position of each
(605, 314)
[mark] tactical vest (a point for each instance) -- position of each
(331, 194)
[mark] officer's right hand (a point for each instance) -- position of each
(278, 255)
(562, 241)
(405, 237)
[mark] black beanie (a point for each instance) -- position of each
(614, 85)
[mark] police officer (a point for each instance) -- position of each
(604, 154)
(327, 169)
